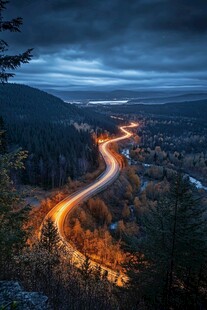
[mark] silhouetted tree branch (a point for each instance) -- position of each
(8, 62)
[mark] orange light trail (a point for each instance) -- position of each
(59, 213)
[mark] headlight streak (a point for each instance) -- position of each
(59, 213)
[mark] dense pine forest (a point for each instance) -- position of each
(58, 136)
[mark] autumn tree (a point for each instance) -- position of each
(120, 230)
(137, 203)
(99, 211)
(125, 211)
(133, 178)
(128, 192)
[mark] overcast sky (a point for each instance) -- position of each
(112, 44)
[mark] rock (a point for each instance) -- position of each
(12, 293)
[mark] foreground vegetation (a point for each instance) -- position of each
(166, 266)
(159, 240)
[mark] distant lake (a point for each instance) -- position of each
(111, 102)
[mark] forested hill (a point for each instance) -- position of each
(27, 103)
(20, 101)
(193, 109)
(43, 125)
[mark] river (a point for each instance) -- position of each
(194, 181)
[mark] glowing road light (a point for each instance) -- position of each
(64, 207)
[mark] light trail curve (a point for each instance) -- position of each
(59, 213)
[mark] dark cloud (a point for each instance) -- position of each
(113, 42)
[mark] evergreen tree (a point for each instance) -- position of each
(169, 267)
(50, 239)
(86, 269)
(51, 249)
(12, 217)
(8, 62)
(3, 144)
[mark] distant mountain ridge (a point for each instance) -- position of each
(133, 96)
(174, 99)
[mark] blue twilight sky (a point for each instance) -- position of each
(112, 44)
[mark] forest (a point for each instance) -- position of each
(178, 144)
(159, 241)
(60, 138)
(153, 229)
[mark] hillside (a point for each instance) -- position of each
(24, 102)
(21, 102)
(193, 109)
(43, 125)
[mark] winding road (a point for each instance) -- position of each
(59, 213)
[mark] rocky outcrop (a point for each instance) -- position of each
(12, 296)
